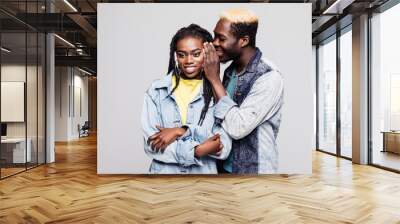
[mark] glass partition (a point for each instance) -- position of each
(22, 78)
(13, 109)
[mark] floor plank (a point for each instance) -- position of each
(70, 191)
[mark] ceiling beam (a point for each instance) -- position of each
(85, 61)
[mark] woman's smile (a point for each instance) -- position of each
(190, 56)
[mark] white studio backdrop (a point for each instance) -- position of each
(133, 50)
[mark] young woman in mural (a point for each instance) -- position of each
(179, 131)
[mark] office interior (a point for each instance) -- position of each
(48, 80)
(48, 83)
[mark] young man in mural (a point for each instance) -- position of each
(250, 97)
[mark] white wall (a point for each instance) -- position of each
(314, 78)
(61, 103)
(16, 72)
(79, 117)
(12, 101)
(68, 82)
(133, 50)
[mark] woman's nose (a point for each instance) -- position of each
(189, 59)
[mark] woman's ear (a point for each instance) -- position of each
(176, 60)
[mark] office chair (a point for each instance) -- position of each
(84, 130)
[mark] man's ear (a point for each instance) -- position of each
(244, 41)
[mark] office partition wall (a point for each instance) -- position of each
(13, 145)
(22, 87)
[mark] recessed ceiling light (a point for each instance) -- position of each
(84, 71)
(338, 6)
(70, 5)
(5, 50)
(64, 40)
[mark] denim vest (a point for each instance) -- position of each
(245, 150)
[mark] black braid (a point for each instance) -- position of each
(193, 30)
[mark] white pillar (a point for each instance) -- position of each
(50, 91)
(50, 110)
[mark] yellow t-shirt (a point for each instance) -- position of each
(185, 93)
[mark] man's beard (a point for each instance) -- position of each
(228, 56)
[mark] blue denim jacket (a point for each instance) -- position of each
(252, 118)
(160, 108)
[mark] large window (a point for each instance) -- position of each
(346, 93)
(385, 88)
(335, 74)
(327, 96)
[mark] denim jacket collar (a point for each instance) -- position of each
(166, 82)
(251, 67)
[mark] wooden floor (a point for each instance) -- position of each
(5, 172)
(9, 171)
(70, 191)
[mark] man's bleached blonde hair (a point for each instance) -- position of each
(243, 23)
(239, 15)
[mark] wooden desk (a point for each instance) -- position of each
(391, 141)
